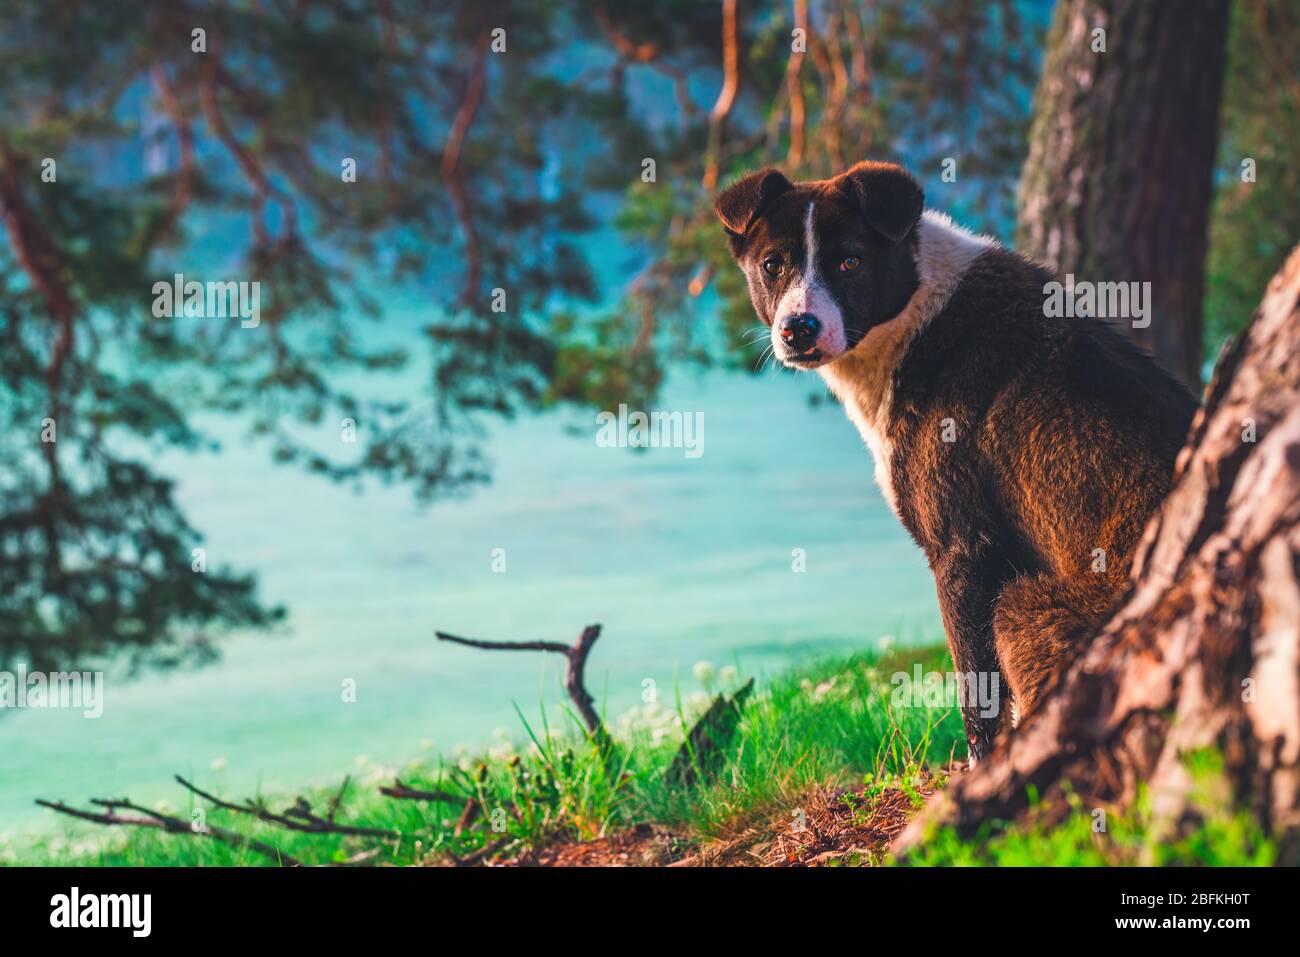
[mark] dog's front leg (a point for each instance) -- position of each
(968, 589)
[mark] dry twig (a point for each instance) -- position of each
(574, 683)
(165, 822)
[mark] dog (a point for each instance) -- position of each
(1023, 452)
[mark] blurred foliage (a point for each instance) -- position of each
(504, 187)
(1255, 224)
(482, 174)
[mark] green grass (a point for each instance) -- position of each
(1092, 837)
(1225, 840)
(829, 725)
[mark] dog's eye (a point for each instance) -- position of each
(850, 262)
(772, 266)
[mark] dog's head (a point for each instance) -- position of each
(826, 260)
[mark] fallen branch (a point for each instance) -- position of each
(474, 857)
(338, 798)
(165, 822)
(297, 818)
(573, 680)
(472, 811)
(401, 791)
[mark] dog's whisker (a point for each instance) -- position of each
(768, 355)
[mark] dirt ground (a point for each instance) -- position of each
(830, 828)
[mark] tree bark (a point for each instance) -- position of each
(1118, 181)
(1204, 649)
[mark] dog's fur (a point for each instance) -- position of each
(1011, 445)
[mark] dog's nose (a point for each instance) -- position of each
(800, 331)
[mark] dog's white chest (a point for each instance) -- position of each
(862, 386)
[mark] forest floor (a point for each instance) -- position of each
(837, 827)
(825, 766)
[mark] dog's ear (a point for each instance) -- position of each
(890, 199)
(744, 201)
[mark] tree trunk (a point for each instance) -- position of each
(1118, 181)
(1204, 649)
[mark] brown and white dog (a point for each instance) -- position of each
(1023, 453)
